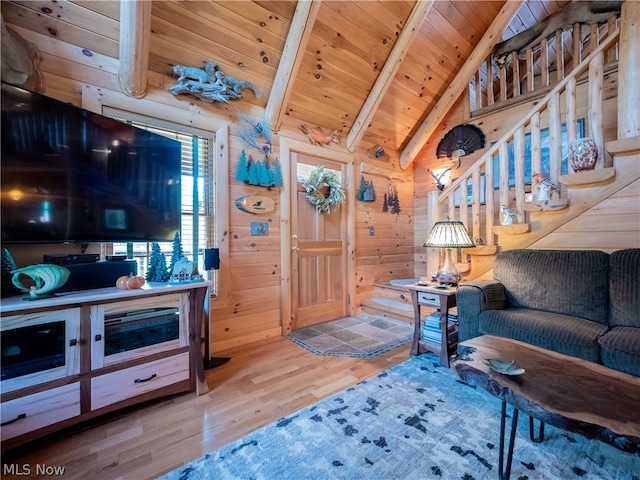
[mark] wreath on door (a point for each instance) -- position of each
(319, 179)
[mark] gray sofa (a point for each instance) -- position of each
(583, 303)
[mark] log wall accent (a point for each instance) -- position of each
(135, 33)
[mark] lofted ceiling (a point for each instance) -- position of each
(345, 49)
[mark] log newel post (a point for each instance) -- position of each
(629, 66)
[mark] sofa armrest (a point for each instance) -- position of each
(473, 298)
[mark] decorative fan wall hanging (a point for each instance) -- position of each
(460, 141)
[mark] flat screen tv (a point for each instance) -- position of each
(71, 176)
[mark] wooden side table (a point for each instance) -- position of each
(443, 299)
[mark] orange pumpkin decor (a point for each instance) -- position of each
(130, 282)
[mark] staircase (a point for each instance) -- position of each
(539, 223)
(577, 192)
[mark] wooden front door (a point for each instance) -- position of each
(319, 248)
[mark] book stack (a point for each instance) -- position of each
(431, 328)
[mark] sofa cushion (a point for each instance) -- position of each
(624, 288)
(620, 349)
(568, 282)
(471, 299)
(561, 333)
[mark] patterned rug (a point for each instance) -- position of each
(362, 336)
(416, 420)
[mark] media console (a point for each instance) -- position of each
(79, 355)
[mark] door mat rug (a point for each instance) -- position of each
(415, 421)
(362, 336)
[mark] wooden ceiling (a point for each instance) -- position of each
(345, 52)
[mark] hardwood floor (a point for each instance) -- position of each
(263, 382)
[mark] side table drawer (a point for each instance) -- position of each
(31, 412)
(130, 382)
(429, 299)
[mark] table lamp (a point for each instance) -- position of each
(448, 235)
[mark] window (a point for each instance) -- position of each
(303, 170)
(544, 145)
(196, 226)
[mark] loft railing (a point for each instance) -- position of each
(561, 100)
(542, 67)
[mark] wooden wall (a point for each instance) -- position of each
(249, 307)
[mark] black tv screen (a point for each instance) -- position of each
(69, 175)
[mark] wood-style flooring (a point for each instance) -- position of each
(263, 382)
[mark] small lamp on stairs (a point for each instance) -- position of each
(448, 235)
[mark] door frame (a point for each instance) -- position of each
(287, 146)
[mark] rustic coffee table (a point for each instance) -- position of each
(567, 392)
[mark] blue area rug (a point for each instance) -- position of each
(416, 420)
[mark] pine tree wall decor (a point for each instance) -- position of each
(242, 174)
(391, 201)
(277, 173)
(259, 172)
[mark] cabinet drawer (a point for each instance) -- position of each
(130, 382)
(429, 299)
(25, 414)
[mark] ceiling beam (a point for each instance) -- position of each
(294, 48)
(135, 34)
(460, 82)
(388, 72)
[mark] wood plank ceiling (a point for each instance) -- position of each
(350, 42)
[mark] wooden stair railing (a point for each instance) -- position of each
(476, 184)
(543, 66)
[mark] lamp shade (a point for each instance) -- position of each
(449, 234)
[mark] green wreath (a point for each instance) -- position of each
(318, 178)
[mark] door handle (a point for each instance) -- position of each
(294, 249)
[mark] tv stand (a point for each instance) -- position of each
(94, 380)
